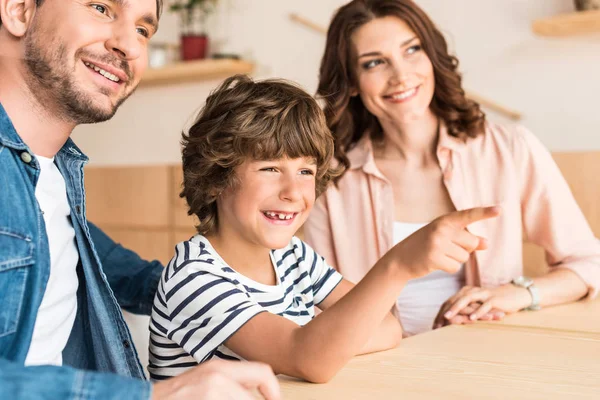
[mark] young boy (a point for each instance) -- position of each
(245, 287)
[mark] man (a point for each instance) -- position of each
(62, 281)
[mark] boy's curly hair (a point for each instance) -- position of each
(244, 119)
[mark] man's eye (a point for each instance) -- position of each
(100, 8)
(144, 32)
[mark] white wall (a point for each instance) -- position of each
(553, 82)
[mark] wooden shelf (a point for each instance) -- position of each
(577, 23)
(195, 71)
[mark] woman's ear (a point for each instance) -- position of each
(16, 16)
(353, 91)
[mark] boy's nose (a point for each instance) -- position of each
(290, 191)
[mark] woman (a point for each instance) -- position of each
(416, 148)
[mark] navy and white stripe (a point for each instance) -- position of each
(201, 301)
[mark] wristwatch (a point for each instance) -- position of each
(527, 283)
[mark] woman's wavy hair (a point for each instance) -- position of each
(346, 115)
(248, 120)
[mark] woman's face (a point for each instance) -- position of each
(395, 76)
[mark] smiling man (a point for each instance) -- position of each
(62, 281)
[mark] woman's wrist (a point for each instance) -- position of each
(517, 298)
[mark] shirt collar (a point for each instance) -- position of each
(361, 156)
(10, 138)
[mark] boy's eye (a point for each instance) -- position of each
(269, 169)
(372, 63)
(307, 172)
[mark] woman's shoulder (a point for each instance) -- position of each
(501, 137)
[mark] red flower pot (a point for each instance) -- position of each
(194, 47)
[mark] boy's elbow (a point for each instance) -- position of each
(318, 375)
(316, 372)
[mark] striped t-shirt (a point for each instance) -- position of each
(201, 301)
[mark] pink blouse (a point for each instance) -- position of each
(351, 225)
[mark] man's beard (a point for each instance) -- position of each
(52, 83)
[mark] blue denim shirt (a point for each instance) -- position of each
(100, 361)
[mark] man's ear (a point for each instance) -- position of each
(17, 15)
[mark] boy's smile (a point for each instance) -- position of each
(280, 217)
(269, 203)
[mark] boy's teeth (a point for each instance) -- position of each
(279, 215)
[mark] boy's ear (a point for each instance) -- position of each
(16, 15)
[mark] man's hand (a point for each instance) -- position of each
(444, 244)
(216, 380)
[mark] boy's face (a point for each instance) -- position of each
(90, 56)
(270, 202)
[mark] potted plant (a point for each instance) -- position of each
(193, 13)
(584, 5)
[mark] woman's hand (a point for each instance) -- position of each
(475, 303)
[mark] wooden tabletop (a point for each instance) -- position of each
(511, 360)
(583, 316)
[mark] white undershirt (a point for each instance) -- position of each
(59, 305)
(421, 299)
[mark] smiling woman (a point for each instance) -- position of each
(415, 149)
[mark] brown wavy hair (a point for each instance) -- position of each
(248, 120)
(346, 115)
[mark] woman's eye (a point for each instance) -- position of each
(371, 64)
(414, 49)
(100, 8)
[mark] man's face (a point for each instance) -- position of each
(84, 58)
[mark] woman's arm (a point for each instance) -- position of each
(473, 303)
(552, 220)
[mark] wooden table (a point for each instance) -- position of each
(512, 360)
(583, 316)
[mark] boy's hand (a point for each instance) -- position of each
(444, 244)
(216, 380)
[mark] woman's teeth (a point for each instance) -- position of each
(404, 95)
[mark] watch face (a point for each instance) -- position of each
(523, 281)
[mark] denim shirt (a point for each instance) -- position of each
(99, 361)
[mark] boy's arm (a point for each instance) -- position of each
(318, 350)
(133, 280)
(388, 333)
(51, 382)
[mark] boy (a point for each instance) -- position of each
(245, 287)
